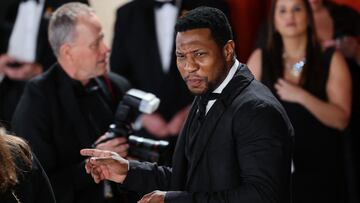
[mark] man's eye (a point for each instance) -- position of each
(95, 45)
(199, 54)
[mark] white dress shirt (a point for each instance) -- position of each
(165, 19)
(23, 39)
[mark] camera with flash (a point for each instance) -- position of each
(133, 103)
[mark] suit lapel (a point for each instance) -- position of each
(240, 81)
(71, 109)
(180, 163)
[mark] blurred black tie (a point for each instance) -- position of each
(159, 4)
(201, 112)
(202, 103)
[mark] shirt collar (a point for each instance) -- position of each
(230, 75)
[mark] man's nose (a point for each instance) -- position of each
(104, 48)
(191, 65)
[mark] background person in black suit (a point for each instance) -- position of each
(13, 82)
(14, 79)
(235, 145)
(143, 52)
(72, 104)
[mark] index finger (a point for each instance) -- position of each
(95, 152)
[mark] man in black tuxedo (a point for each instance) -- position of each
(72, 104)
(143, 52)
(236, 143)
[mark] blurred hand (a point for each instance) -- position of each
(153, 197)
(176, 123)
(288, 92)
(348, 46)
(4, 61)
(155, 124)
(25, 72)
(118, 145)
(105, 165)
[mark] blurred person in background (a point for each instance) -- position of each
(338, 26)
(22, 179)
(72, 104)
(24, 50)
(314, 85)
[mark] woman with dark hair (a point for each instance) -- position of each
(337, 26)
(314, 85)
(22, 180)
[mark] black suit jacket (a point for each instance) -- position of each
(242, 153)
(10, 93)
(135, 54)
(49, 117)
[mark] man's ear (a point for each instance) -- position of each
(65, 51)
(229, 50)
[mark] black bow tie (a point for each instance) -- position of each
(159, 4)
(202, 102)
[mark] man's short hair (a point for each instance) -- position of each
(207, 17)
(62, 24)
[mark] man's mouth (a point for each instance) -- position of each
(104, 61)
(194, 81)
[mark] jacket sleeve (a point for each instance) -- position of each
(145, 177)
(263, 150)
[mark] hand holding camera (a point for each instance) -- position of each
(115, 144)
(133, 103)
